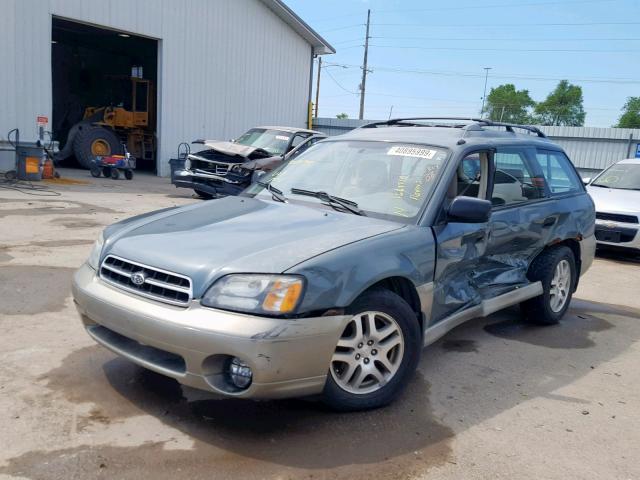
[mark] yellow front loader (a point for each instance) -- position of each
(104, 130)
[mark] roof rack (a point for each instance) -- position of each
(469, 123)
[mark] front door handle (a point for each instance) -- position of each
(549, 221)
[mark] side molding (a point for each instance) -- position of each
(486, 307)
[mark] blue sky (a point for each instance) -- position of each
(446, 44)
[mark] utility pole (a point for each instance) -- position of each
(364, 67)
(484, 95)
(318, 85)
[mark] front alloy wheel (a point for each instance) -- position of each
(368, 354)
(376, 354)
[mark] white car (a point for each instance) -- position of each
(616, 193)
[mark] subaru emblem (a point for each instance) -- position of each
(138, 278)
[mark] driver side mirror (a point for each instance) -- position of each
(586, 180)
(469, 210)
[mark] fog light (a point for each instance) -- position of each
(240, 373)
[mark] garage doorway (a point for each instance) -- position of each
(104, 83)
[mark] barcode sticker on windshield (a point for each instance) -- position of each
(282, 137)
(412, 152)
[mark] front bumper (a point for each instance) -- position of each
(212, 184)
(287, 357)
(618, 234)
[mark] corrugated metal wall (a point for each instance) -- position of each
(588, 147)
(224, 65)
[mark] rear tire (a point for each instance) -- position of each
(556, 270)
(115, 174)
(91, 141)
(128, 174)
(370, 367)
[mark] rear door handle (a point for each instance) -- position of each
(549, 221)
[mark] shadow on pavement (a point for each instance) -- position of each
(276, 439)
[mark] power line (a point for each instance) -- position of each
(517, 76)
(503, 25)
(470, 49)
(621, 81)
(498, 5)
(338, 84)
(501, 39)
(467, 7)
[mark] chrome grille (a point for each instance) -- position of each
(221, 168)
(146, 281)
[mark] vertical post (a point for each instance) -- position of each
(364, 67)
(318, 85)
(310, 115)
(484, 95)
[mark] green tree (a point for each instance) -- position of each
(342, 115)
(506, 104)
(563, 106)
(630, 117)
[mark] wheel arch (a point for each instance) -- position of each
(574, 245)
(404, 288)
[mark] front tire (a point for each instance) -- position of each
(556, 270)
(92, 141)
(203, 194)
(376, 354)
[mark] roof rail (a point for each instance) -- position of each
(469, 122)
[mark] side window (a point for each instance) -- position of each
(297, 140)
(304, 146)
(558, 173)
(514, 180)
(470, 177)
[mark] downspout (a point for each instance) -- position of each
(309, 104)
(629, 145)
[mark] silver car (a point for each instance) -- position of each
(616, 194)
(330, 274)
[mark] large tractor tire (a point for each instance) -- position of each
(92, 141)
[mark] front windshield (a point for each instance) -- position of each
(273, 141)
(387, 180)
(625, 176)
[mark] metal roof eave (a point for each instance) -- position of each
(319, 44)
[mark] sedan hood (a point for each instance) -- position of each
(615, 200)
(236, 234)
(234, 149)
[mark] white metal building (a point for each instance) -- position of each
(222, 66)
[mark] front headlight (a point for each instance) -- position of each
(256, 293)
(94, 256)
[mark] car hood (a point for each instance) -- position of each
(234, 149)
(615, 200)
(236, 234)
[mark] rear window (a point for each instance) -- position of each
(560, 176)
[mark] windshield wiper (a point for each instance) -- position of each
(276, 193)
(331, 200)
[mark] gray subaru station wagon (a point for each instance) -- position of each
(331, 274)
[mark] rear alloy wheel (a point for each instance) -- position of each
(376, 353)
(555, 269)
(560, 286)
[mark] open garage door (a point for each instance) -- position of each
(104, 93)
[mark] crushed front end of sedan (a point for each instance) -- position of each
(227, 167)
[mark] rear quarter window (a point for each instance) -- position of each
(558, 172)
